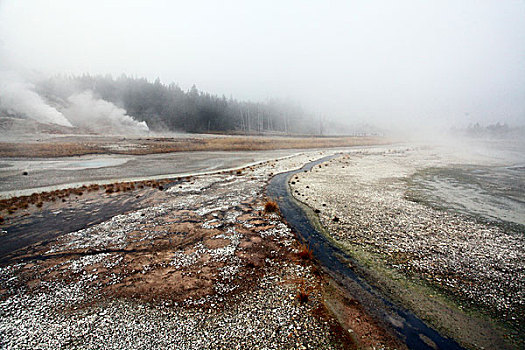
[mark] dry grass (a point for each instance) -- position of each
(303, 294)
(271, 207)
(12, 205)
(166, 145)
(305, 252)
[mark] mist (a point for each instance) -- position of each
(405, 66)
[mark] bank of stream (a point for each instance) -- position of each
(344, 269)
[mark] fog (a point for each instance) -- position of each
(396, 65)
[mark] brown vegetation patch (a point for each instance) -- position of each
(303, 293)
(13, 204)
(60, 148)
(271, 207)
(305, 252)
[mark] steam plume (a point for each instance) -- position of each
(17, 97)
(100, 116)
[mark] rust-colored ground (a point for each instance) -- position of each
(192, 245)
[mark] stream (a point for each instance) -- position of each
(342, 268)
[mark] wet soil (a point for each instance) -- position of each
(57, 217)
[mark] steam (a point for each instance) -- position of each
(17, 97)
(100, 116)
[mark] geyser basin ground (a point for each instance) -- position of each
(200, 264)
(436, 262)
(52, 162)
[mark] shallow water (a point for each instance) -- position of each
(53, 173)
(491, 192)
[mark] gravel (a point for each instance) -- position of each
(70, 298)
(481, 263)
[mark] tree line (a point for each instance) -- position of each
(168, 107)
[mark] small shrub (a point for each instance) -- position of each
(302, 296)
(271, 207)
(305, 252)
(39, 204)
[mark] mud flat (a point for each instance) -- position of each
(462, 273)
(20, 176)
(192, 262)
(47, 162)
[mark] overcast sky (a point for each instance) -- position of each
(393, 61)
